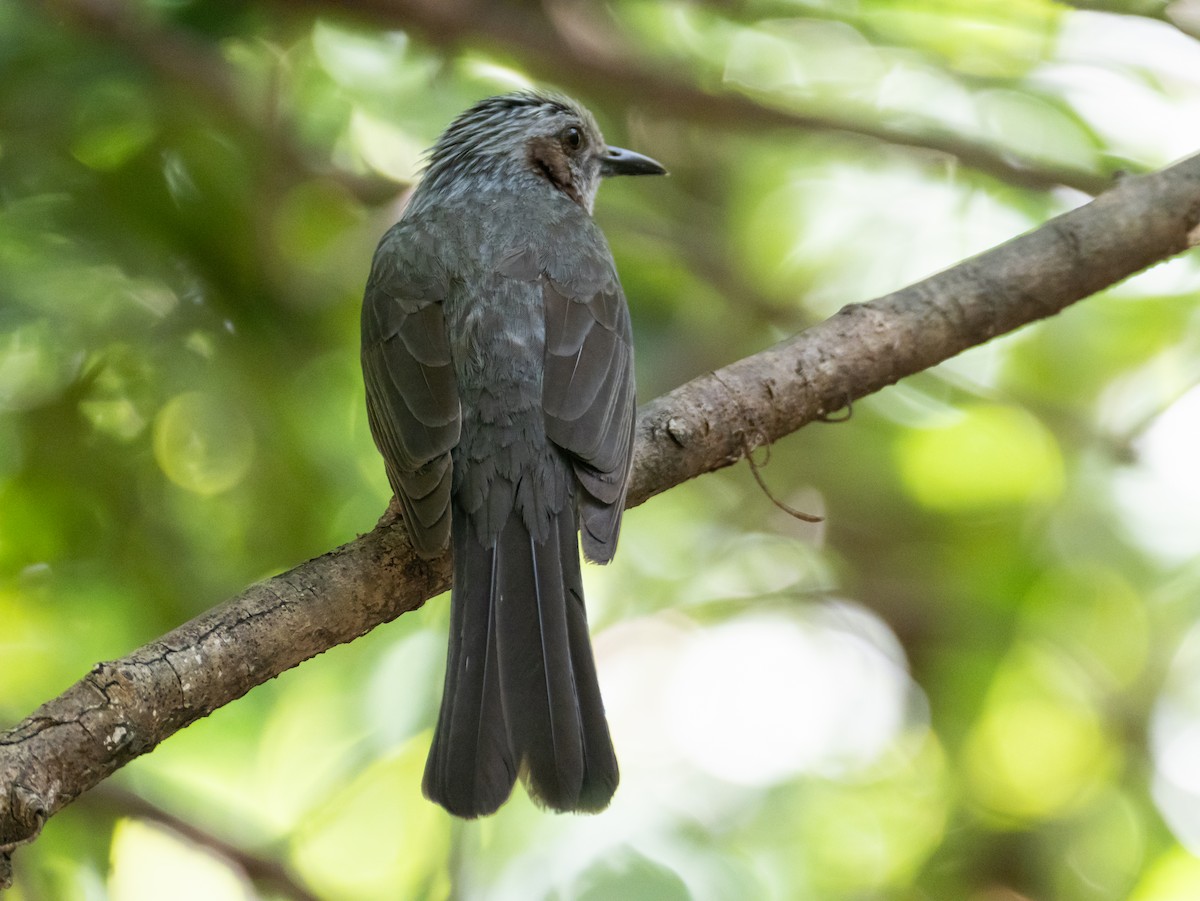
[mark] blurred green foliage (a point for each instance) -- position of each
(974, 680)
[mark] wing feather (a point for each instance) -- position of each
(412, 394)
(588, 399)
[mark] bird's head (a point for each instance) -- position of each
(529, 134)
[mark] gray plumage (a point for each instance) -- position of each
(498, 362)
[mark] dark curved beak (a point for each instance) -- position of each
(618, 161)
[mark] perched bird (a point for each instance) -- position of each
(498, 362)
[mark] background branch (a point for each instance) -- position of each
(576, 59)
(554, 48)
(124, 708)
(260, 869)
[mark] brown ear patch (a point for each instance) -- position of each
(547, 158)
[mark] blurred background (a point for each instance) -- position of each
(978, 679)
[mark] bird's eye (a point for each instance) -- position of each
(572, 138)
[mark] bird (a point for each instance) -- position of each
(497, 355)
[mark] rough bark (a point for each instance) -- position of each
(124, 708)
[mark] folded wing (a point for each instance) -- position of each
(412, 398)
(588, 400)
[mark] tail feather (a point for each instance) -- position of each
(536, 671)
(600, 773)
(521, 691)
(470, 770)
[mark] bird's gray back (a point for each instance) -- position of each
(505, 244)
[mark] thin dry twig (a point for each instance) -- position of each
(748, 450)
(786, 508)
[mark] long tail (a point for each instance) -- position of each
(521, 694)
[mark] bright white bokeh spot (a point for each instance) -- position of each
(926, 226)
(385, 147)
(766, 697)
(504, 78)
(1103, 61)
(1175, 744)
(1160, 494)
(150, 863)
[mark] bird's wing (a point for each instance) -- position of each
(588, 389)
(412, 398)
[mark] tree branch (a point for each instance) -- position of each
(123, 708)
